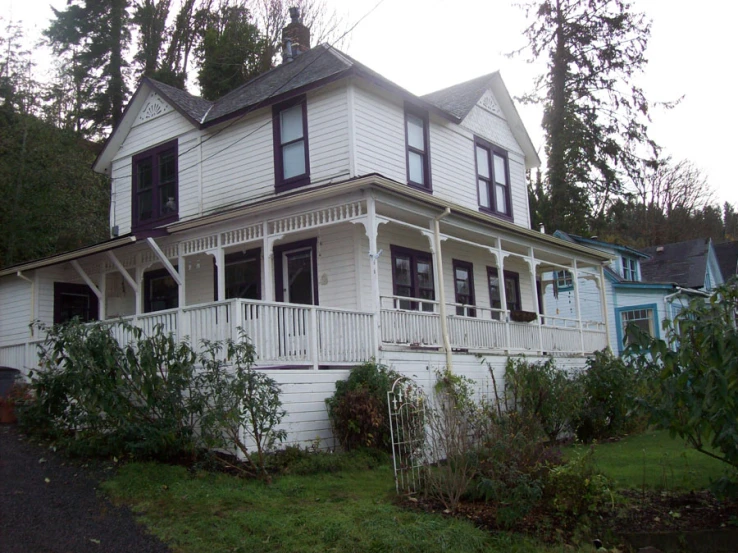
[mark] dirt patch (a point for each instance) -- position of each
(51, 505)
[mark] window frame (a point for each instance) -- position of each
(493, 150)
(149, 276)
(153, 154)
(630, 268)
(564, 280)
(469, 267)
(423, 115)
(282, 184)
(414, 256)
(237, 257)
(69, 288)
(513, 276)
(620, 328)
(311, 243)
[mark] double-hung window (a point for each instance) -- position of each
(512, 290)
(417, 149)
(642, 316)
(155, 186)
(291, 162)
(564, 281)
(412, 277)
(630, 268)
(464, 288)
(493, 179)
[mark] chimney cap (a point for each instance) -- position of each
(295, 14)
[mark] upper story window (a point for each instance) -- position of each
(630, 268)
(412, 276)
(493, 179)
(564, 281)
(155, 186)
(417, 149)
(291, 163)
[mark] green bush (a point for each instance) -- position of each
(358, 409)
(608, 407)
(697, 373)
(543, 393)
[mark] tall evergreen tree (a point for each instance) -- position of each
(595, 116)
(96, 33)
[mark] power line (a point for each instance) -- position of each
(260, 104)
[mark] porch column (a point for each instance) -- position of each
(372, 232)
(268, 253)
(219, 257)
(603, 301)
(577, 304)
(102, 303)
(505, 317)
(139, 275)
(534, 281)
(183, 327)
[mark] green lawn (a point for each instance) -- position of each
(657, 461)
(346, 511)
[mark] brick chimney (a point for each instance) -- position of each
(295, 37)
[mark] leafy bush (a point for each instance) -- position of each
(608, 409)
(697, 368)
(542, 392)
(358, 409)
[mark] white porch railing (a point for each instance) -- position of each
(484, 329)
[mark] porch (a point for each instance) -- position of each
(317, 286)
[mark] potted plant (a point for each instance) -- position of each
(520, 316)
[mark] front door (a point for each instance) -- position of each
(297, 277)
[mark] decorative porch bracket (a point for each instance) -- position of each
(122, 270)
(87, 279)
(164, 261)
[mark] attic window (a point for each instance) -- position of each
(291, 162)
(155, 186)
(630, 268)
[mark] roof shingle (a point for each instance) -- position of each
(684, 263)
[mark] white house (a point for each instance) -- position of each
(332, 215)
(645, 287)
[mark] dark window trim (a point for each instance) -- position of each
(148, 277)
(422, 114)
(457, 263)
(61, 288)
(414, 256)
(154, 221)
(279, 278)
(506, 274)
(492, 149)
(234, 258)
(280, 183)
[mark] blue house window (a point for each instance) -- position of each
(644, 317)
(564, 281)
(630, 268)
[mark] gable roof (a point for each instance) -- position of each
(727, 256)
(461, 98)
(593, 242)
(191, 106)
(684, 263)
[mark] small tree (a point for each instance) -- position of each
(697, 368)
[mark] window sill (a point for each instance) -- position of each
(151, 225)
(493, 213)
(420, 187)
(291, 184)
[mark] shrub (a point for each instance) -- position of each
(358, 409)
(608, 407)
(542, 392)
(697, 368)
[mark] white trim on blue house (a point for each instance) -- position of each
(619, 321)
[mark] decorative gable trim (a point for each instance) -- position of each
(154, 106)
(488, 102)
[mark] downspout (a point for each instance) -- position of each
(20, 275)
(441, 291)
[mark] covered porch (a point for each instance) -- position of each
(321, 285)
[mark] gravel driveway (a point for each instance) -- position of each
(50, 505)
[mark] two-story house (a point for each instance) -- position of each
(332, 215)
(642, 287)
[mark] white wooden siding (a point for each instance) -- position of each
(15, 299)
(328, 135)
(337, 268)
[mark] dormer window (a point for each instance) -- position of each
(155, 186)
(291, 162)
(630, 268)
(417, 149)
(493, 179)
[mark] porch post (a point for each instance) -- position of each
(139, 274)
(182, 322)
(101, 304)
(603, 301)
(577, 304)
(372, 232)
(268, 253)
(503, 293)
(534, 282)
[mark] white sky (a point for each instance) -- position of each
(425, 45)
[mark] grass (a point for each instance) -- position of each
(345, 511)
(655, 460)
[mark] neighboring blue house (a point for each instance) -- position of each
(643, 287)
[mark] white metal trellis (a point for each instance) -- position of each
(408, 405)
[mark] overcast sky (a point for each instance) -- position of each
(425, 45)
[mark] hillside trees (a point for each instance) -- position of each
(595, 116)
